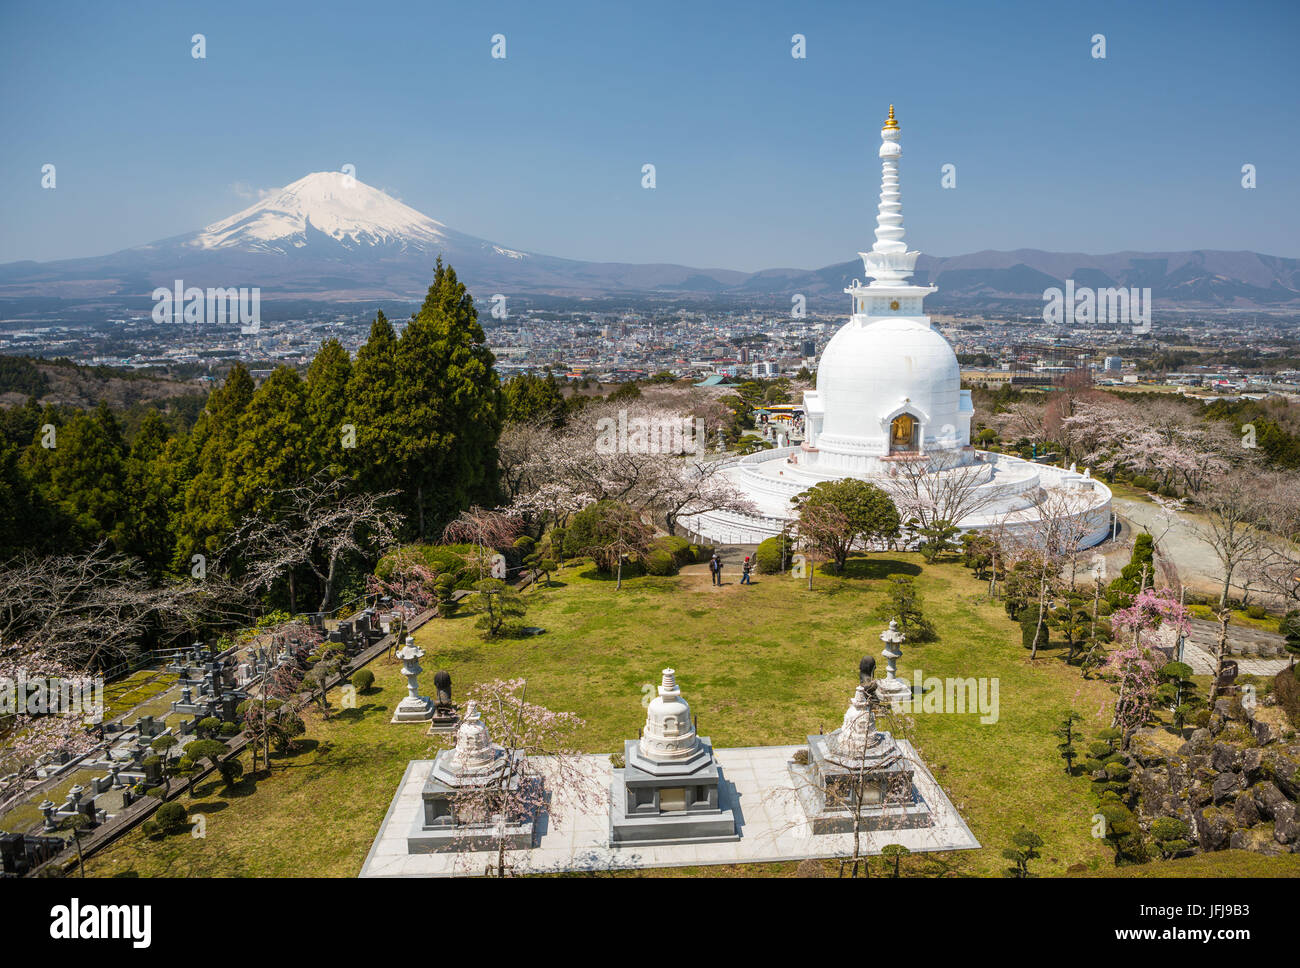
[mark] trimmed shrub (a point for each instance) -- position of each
(363, 679)
(171, 817)
(209, 727)
(660, 562)
(525, 544)
(1029, 628)
(768, 556)
(678, 547)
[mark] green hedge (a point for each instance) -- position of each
(457, 560)
(768, 556)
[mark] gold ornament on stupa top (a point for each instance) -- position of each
(891, 122)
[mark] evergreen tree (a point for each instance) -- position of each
(273, 447)
(1068, 734)
(1129, 583)
(528, 397)
(327, 402)
(88, 476)
(1072, 616)
(206, 517)
(372, 409)
(449, 405)
(905, 606)
(150, 495)
(26, 519)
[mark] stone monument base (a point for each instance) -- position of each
(430, 840)
(894, 690)
(699, 821)
(410, 710)
(435, 827)
(897, 804)
(439, 725)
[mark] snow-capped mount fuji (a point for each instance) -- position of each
(329, 237)
(329, 203)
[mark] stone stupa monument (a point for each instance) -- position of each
(470, 772)
(858, 769)
(668, 792)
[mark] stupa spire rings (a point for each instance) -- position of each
(889, 263)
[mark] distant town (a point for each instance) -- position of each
(1207, 354)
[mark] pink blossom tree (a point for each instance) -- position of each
(1135, 675)
(1151, 610)
(33, 728)
(544, 771)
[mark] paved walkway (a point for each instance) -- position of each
(1256, 651)
(770, 820)
(733, 557)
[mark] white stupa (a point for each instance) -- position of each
(888, 394)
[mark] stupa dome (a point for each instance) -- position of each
(474, 750)
(669, 733)
(872, 372)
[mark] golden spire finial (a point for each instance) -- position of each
(891, 122)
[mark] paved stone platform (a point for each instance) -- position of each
(771, 823)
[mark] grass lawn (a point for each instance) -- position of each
(761, 664)
(1121, 489)
(1239, 618)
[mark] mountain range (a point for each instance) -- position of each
(328, 237)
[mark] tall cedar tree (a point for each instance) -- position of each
(206, 517)
(273, 447)
(327, 401)
(150, 494)
(88, 476)
(528, 397)
(372, 409)
(449, 401)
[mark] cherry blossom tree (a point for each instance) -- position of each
(34, 726)
(92, 609)
(1137, 682)
(1235, 513)
(544, 772)
(484, 528)
(316, 525)
(1152, 610)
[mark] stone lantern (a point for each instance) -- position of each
(893, 689)
(414, 708)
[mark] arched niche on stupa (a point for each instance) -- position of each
(904, 429)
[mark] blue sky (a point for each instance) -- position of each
(762, 160)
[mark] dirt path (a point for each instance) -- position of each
(733, 557)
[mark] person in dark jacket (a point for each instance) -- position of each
(744, 571)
